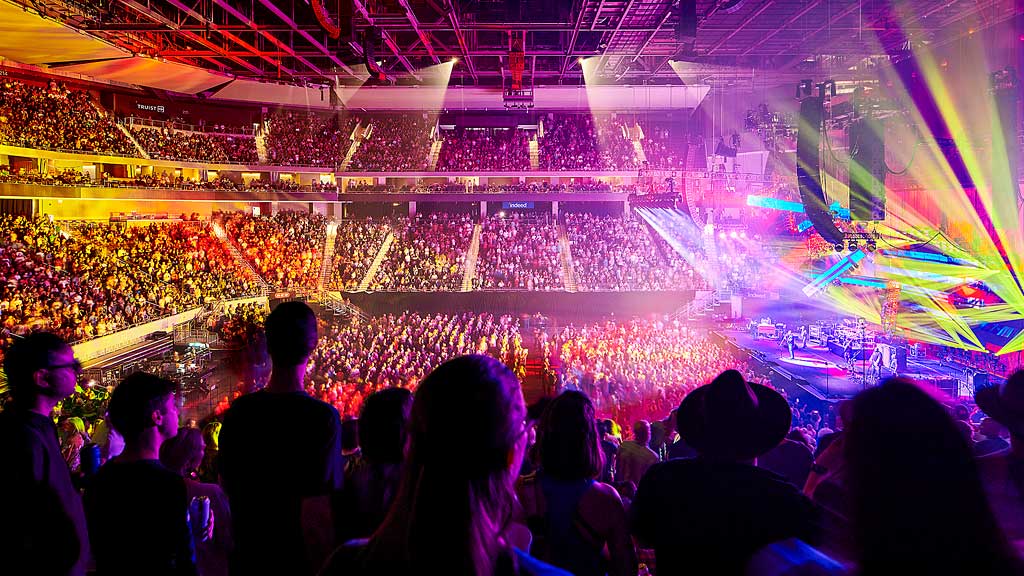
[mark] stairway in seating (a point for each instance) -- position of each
(261, 144)
(435, 154)
(328, 260)
(377, 260)
(221, 235)
(638, 149)
(471, 256)
(348, 156)
(128, 133)
(534, 153)
(565, 256)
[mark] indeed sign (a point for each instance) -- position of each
(516, 205)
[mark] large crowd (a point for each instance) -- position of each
(518, 253)
(358, 357)
(286, 249)
(65, 177)
(101, 278)
(428, 254)
(403, 444)
(612, 253)
(298, 139)
(54, 117)
(467, 150)
(168, 144)
(356, 245)
(583, 142)
(633, 369)
(394, 143)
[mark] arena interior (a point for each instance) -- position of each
(617, 199)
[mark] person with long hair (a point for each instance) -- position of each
(916, 500)
(574, 518)
(454, 510)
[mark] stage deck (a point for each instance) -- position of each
(827, 374)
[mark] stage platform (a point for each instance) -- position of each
(825, 375)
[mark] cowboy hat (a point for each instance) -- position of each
(1005, 403)
(732, 419)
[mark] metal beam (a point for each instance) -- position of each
(415, 22)
(248, 22)
(668, 14)
(386, 37)
(753, 15)
(212, 26)
(784, 26)
(269, 4)
(158, 17)
(800, 57)
(572, 38)
(453, 18)
(615, 32)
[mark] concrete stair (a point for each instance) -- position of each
(261, 145)
(328, 260)
(534, 153)
(372, 272)
(471, 257)
(218, 231)
(565, 257)
(347, 161)
(435, 154)
(128, 133)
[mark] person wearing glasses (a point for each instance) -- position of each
(44, 529)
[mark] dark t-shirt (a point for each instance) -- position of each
(42, 524)
(705, 517)
(275, 450)
(138, 520)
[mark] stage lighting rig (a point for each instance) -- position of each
(516, 94)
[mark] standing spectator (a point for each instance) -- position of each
(609, 449)
(916, 498)
(373, 473)
(183, 454)
(272, 479)
(994, 441)
(1003, 472)
(211, 448)
(710, 514)
(454, 508)
(72, 438)
(790, 459)
(572, 516)
(635, 457)
(43, 530)
(137, 508)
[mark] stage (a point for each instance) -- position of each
(826, 375)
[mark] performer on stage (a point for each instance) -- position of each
(876, 363)
(789, 341)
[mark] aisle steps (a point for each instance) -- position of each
(565, 256)
(471, 257)
(328, 260)
(372, 272)
(221, 235)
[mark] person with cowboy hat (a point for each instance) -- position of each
(710, 514)
(1002, 472)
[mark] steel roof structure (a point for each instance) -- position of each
(634, 40)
